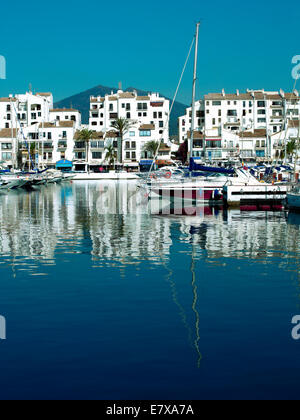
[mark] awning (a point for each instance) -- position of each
(131, 164)
(64, 164)
(146, 162)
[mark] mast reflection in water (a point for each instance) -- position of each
(132, 305)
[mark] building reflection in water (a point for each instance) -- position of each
(84, 218)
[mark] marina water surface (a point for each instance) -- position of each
(144, 306)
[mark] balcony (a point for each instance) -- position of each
(62, 145)
(47, 146)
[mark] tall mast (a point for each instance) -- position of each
(194, 92)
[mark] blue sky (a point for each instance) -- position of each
(67, 47)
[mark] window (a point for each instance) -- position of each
(154, 115)
(133, 145)
(142, 106)
(49, 136)
(220, 113)
(261, 104)
(6, 146)
(94, 123)
(132, 133)
(111, 107)
(64, 134)
(128, 115)
(216, 103)
(97, 144)
(79, 155)
(97, 155)
(261, 112)
(7, 156)
(133, 155)
(262, 120)
(80, 145)
(127, 145)
(232, 113)
(145, 133)
(127, 155)
(214, 121)
(161, 124)
(8, 109)
(160, 115)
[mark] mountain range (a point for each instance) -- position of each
(81, 101)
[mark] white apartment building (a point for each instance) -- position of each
(147, 114)
(53, 142)
(8, 147)
(51, 130)
(66, 115)
(28, 108)
(219, 115)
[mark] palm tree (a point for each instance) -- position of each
(151, 147)
(110, 155)
(122, 125)
(292, 150)
(86, 136)
(292, 147)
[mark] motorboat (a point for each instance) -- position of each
(209, 189)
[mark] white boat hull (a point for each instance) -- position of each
(121, 176)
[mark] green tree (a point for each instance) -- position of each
(19, 158)
(151, 147)
(86, 136)
(292, 150)
(122, 125)
(110, 155)
(292, 147)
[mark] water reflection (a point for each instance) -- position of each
(38, 228)
(65, 219)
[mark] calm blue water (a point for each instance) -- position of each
(143, 306)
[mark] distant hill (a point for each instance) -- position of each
(81, 101)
